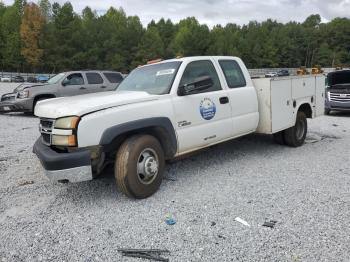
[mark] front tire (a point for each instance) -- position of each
(295, 135)
(139, 166)
(327, 111)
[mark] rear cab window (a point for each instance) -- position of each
(94, 78)
(113, 78)
(233, 73)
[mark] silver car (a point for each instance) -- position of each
(25, 96)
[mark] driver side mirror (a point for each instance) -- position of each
(65, 82)
(200, 84)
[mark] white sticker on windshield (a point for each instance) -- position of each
(166, 72)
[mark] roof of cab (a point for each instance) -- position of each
(191, 58)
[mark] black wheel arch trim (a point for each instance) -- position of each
(160, 126)
(306, 108)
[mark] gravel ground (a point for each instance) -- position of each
(306, 190)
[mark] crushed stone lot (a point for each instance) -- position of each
(306, 190)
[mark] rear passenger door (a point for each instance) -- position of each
(95, 82)
(243, 98)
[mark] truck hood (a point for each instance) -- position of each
(23, 86)
(84, 104)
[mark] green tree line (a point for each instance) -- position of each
(52, 38)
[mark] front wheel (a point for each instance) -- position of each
(327, 111)
(295, 135)
(139, 166)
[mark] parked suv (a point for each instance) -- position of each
(25, 96)
(338, 91)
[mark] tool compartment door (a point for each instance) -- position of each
(320, 95)
(303, 87)
(282, 116)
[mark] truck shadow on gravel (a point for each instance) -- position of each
(254, 145)
(251, 146)
(339, 114)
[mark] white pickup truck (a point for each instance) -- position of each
(165, 110)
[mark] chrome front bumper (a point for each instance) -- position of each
(73, 175)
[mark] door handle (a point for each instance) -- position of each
(82, 88)
(224, 100)
(103, 86)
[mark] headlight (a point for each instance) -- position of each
(23, 94)
(70, 123)
(64, 140)
(67, 122)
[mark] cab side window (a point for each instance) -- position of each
(198, 69)
(233, 73)
(94, 78)
(74, 79)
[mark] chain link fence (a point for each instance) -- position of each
(253, 72)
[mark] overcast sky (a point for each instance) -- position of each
(213, 12)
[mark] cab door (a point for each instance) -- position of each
(203, 117)
(242, 95)
(74, 84)
(95, 83)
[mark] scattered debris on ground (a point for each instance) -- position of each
(170, 178)
(243, 222)
(315, 137)
(170, 221)
(270, 223)
(25, 183)
(296, 258)
(150, 254)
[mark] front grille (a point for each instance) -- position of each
(46, 123)
(8, 98)
(46, 126)
(338, 97)
(46, 138)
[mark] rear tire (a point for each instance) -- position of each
(295, 135)
(139, 166)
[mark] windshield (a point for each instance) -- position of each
(154, 79)
(56, 78)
